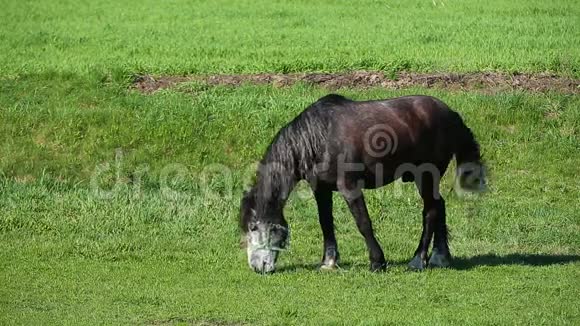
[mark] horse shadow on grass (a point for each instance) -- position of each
(298, 267)
(466, 263)
(462, 263)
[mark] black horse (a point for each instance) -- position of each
(337, 144)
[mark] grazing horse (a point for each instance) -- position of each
(337, 144)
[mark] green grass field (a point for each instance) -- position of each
(254, 36)
(118, 207)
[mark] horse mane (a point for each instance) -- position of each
(293, 152)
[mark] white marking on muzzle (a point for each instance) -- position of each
(261, 249)
(470, 178)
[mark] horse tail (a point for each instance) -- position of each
(470, 172)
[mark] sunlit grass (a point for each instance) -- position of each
(255, 36)
(162, 244)
(120, 208)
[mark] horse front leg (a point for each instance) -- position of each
(330, 255)
(358, 208)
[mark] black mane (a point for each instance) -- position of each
(291, 155)
(299, 142)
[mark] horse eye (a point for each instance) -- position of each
(253, 227)
(280, 233)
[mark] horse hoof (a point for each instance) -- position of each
(417, 263)
(378, 267)
(329, 265)
(328, 268)
(438, 260)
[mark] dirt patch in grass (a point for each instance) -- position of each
(489, 82)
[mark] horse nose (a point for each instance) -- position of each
(262, 261)
(263, 268)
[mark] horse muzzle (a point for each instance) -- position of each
(262, 261)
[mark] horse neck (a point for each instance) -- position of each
(276, 178)
(275, 184)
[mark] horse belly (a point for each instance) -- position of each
(373, 181)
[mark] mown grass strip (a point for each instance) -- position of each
(185, 37)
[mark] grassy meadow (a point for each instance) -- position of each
(118, 207)
(180, 36)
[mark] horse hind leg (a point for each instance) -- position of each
(433, 223)
(419, 261)
(440, 257)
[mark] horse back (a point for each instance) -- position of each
(405, 127)
(394, 132)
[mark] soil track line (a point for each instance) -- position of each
(488, 82)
